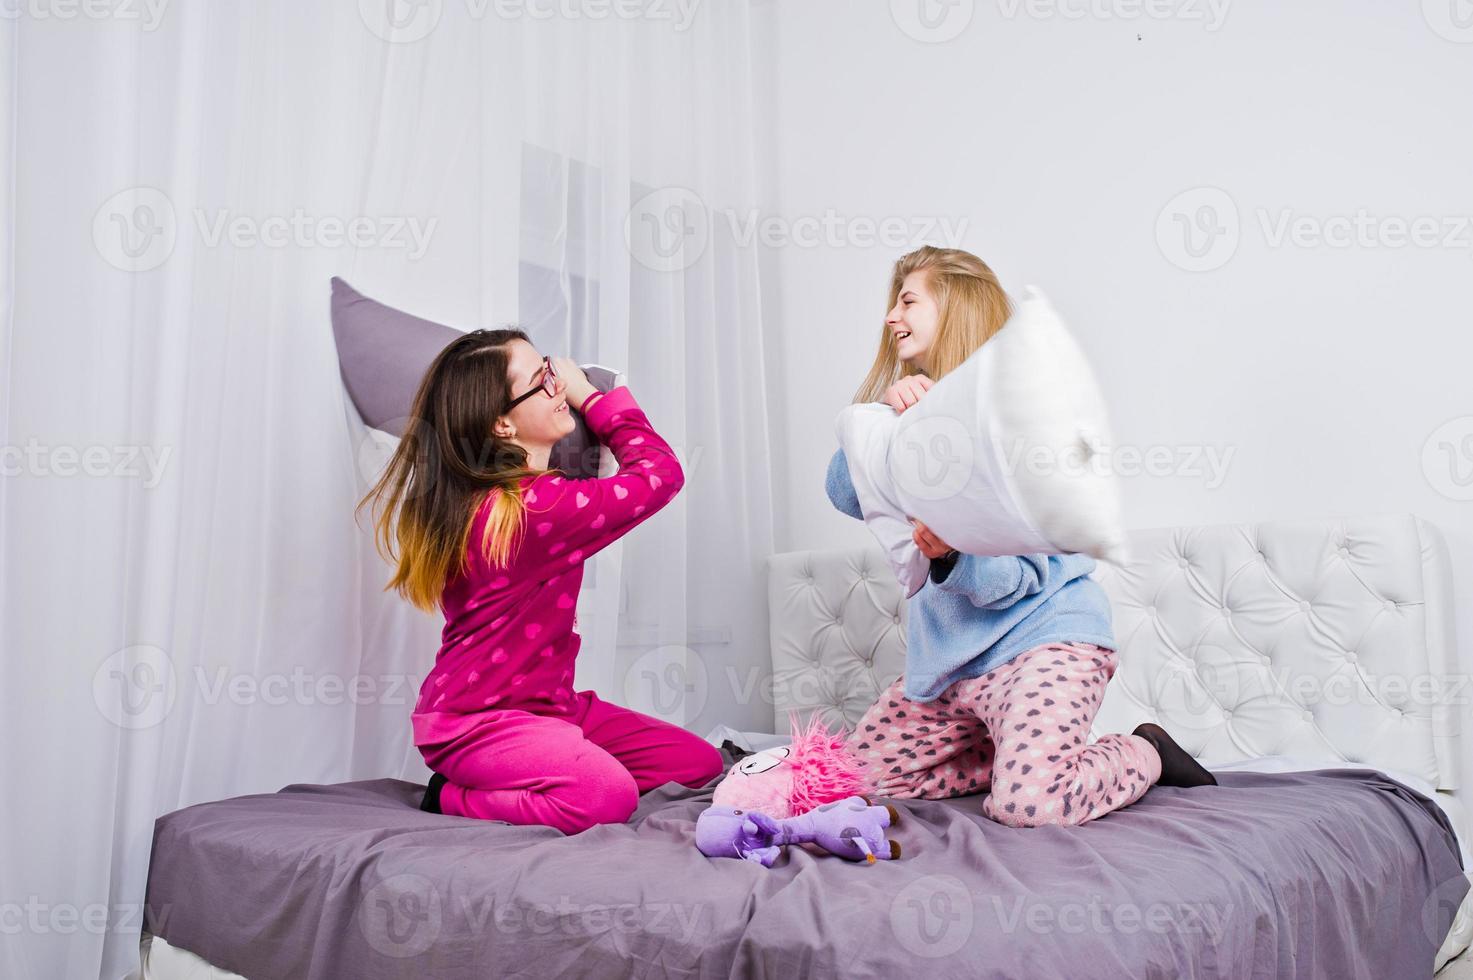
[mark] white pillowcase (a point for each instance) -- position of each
(1006, 455)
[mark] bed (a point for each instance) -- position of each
(1333, 846)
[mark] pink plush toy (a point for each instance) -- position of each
(817, 768)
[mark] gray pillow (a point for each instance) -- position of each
(383, 354)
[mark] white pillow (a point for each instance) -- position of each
(1006, 455)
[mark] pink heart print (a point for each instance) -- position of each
(620, 491)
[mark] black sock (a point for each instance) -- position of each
(1178, 768)
(431, 802)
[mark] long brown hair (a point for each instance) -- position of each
(448, 459)
(971, 308)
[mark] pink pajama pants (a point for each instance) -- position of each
(1019, 730)
(567, 771)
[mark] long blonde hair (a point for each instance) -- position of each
(447, 461)
(971, 308)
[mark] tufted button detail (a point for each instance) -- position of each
(1241, 700)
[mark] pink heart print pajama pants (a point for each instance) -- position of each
(1019, 730)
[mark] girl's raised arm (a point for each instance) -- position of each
(569, 520)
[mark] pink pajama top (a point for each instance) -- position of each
(509, 639)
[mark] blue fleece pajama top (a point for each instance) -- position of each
(987, 611)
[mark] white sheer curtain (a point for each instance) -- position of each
(188, 610)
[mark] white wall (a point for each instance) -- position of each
(1059, 141)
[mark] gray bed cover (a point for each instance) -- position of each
(1336, 874)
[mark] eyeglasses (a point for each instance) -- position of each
(548, 385)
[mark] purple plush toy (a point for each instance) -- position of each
(851, 828)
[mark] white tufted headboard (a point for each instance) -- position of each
(1325, 639)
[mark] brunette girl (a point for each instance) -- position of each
(491, 536)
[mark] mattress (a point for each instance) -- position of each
(1337, 873)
